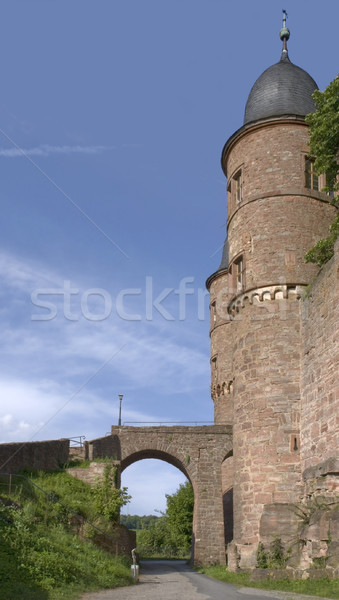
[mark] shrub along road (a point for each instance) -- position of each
(174, 580)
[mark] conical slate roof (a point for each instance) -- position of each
(224, 259)
(283, 89)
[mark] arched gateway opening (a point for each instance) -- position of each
(198, 452)
(148, 482)
(164, 495)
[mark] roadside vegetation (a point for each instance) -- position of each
(325, 588)
(136, 522)
(168, 536)
(46, 549)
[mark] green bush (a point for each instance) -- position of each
(324, 248)
(273, 559)
(108, 499)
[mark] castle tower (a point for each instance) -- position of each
(275, 213)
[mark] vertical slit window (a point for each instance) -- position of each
(238, 186)
(240, 271)
(214, 369)
(213, 313)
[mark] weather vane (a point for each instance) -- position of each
(284, 17)
(284, 32)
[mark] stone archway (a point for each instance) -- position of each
(196, 451)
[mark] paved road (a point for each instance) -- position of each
(174, 580)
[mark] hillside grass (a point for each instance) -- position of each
(41, 558)
(326, 588)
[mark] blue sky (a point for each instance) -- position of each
(113, 115)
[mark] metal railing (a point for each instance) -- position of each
(76, 441)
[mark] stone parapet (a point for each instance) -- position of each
(266, 294)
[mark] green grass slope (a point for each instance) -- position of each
(40, 555)
(317, 587)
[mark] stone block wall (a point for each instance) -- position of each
(108, 446)
(266, 358)
(121, 541)
(320, 368)
(221, 359)
(33, 456)
(93, 473)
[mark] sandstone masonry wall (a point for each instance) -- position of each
(266, 414)
(278, 218)
(320, 374)
(47, 455)
(221, 360)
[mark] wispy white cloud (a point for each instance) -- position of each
(46, 409)
(151, 355)
(43, 364)
(47, 149)
(25, 274)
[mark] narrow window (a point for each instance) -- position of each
(214, 369)
(213, 313)
(311, 178)
(229, 197)
(240, 272)
(294, 443)
(238, 186)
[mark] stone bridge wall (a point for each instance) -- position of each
(199, 453)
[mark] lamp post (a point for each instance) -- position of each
(120, 398)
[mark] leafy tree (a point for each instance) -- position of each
(137, 522)
(155, 538)
(108, 498)
(324, 145)
(324, 248)
(170, 534)
(324, 133)
(180, 515)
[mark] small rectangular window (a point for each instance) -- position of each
(240, 271)
(238, 186)
(311, 178)
(239, 274)
(213, 313)
(214, 368)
